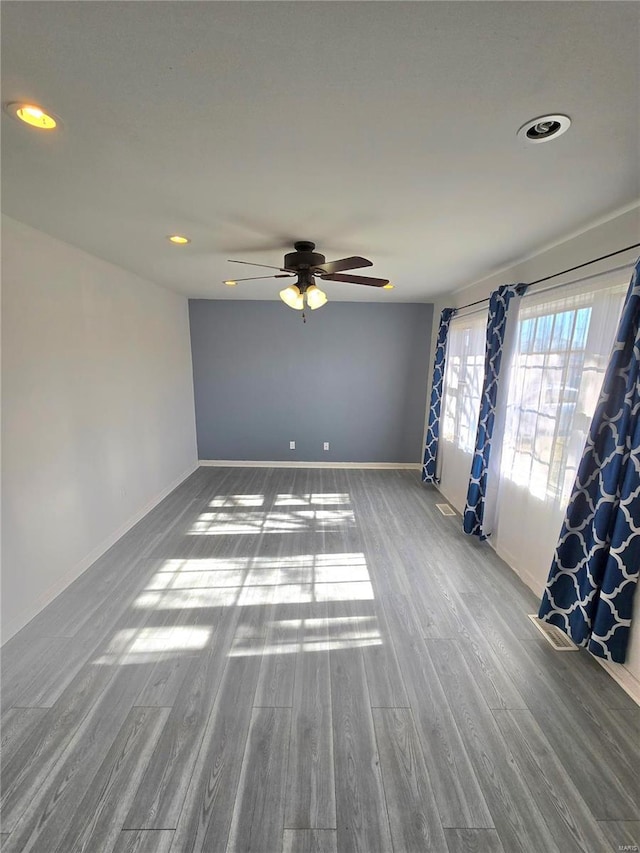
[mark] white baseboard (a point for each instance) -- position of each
(625, 679)
(536, 586)
(10, 627)
(617, 671)
(247, 463)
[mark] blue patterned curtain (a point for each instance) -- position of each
(594, 573)
(496, 327)
(433, 429)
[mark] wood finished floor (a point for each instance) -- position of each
(307, 661)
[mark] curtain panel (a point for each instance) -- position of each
(594, 572)
(429, 469)
(474, 511)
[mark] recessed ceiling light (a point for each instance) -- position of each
(230, 283)
(32, 114)
(178, 239)
(544, 128)
(388, 286)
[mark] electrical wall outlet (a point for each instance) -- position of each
(326, 445)
(292, 445)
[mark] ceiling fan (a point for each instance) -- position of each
(307, 265)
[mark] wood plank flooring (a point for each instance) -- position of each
(307, 661)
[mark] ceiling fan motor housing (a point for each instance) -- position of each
(304, 257)
(305, 280)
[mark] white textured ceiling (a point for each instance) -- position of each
(373, 128)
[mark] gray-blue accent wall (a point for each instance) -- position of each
(355, 375)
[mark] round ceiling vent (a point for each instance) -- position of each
(544, 128)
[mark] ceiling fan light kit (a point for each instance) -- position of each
(307, 264)
(292, 297)
(316, 298)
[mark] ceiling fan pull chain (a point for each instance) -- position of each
(304, 319)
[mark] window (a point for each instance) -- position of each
(463, 380)
(461, 402)
(561, 353)
(563, 341)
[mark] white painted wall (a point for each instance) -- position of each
(97, 411)
(608, 236)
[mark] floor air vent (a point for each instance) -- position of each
(553, 635)
(445, 509)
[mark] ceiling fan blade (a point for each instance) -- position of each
(357, 279)
(353, 263)
(256, 277)
(251, 264)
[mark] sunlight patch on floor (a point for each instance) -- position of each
(144, 645)
(212, 564)
(296, 593)
(237, 500)
(313, 498)
(196, 584)
(290, 636)
(307, 568)
(317, 498)
(246, 522)
(246, 649)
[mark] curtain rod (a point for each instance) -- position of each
(556, 274)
